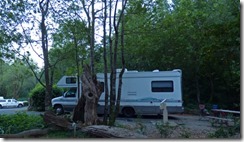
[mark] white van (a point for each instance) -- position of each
(142, 93)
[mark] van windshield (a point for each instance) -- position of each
(70, 93)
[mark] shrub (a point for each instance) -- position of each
(165, 130)
(227, 132)
(11, 124)
(37, 97)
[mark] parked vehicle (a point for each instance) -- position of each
(10, 103)
(142, 93)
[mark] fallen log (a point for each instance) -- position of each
(51, 119)
(58, 122)
(103, 131)
(27, 133)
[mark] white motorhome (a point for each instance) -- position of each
(142, 92)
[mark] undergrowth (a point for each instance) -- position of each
(12, 124)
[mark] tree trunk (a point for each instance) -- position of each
(113, 99)
(86, 109)
(105, 117)
(198, 91)
(112, 92)
(92, 38)
(44, 10)
(123, 64)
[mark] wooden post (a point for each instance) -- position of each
(163, 106)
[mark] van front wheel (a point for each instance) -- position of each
(59, 109)
(128, 112)
(20, 105)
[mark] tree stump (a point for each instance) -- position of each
(86, 109)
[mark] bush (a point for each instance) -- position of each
(227, 132)
(37, 97)
(26, 103)
(12, 124)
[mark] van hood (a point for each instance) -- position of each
(57, 98)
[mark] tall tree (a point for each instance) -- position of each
(91, 28)
(106, 91)
(44, 5)
(113, 64)
(119, 93)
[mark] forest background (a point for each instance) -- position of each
(202, 38)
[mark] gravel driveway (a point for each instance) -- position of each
(179, 126)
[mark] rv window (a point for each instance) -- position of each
(70, 80)
(162, 86)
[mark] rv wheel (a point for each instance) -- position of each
(128, 111)
(59, 109)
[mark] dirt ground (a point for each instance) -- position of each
(180, 126)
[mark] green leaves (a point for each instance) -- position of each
(12, 124)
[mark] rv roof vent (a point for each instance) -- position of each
(133, 71)
(119, 70)
(155, 70)
(178, 70)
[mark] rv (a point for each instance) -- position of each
(142, 92)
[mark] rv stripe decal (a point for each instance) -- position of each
(145, 100)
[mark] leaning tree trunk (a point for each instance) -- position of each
(86, 109)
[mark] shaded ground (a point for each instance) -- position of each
(179, 126)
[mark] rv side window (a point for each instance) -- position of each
(70, 80)
(162, 86)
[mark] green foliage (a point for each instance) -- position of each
(37, 97)
(70, 43)
(195, 36)
(16, 80)
(11, 124)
